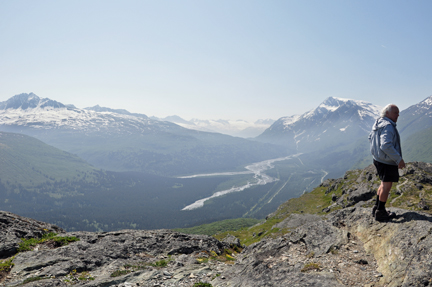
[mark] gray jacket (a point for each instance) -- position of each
(384, 142)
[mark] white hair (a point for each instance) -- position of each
(387, 109)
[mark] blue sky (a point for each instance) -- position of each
(216, 59)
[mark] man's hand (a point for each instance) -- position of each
(401, 164)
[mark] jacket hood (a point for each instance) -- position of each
(382, 122)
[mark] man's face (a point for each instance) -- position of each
(393, 114)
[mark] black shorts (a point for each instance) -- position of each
(386, 172)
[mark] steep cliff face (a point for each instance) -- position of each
(329, 242)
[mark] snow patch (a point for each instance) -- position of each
(343, 129)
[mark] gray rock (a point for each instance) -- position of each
(367, 174)
(363, 192)
(100, 254)
(423, 204)
(319, 236)
(14, 227)
(295, 220)
(400, 246)
(232, 241)
(46, 283)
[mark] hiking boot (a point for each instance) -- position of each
(384, 215)
(374, 209)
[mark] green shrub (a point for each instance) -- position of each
(75, 277)
(6, 265)
(161, 263)
(120, 273)
(202, 284)
(65, 240)
(310, 266)
(28, 244)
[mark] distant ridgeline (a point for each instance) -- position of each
(117, 140)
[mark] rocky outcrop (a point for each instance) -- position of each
(151, 255)
(14, 227)
(364, 184)
(345, 248)
(349, 248)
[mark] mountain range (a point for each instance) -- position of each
(335, 122)
(120, 141)
(238, 128)
(104, 162)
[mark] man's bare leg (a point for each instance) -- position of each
(384, 191)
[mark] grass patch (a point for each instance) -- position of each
(311, 266)
(160, 263)
(128, 268)
(202, 284)
(246, 235)
(29, 244)
(32, 279)
(310, 255)
(118, 273)
(74, 277)
(333, 250)
(220, 226)
(227, 256)
(6, 265)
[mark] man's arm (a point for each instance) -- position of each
(387, 145)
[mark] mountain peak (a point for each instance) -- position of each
(98, 108)
(427, 101)
(28, 101)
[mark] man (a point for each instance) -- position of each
(387, 157)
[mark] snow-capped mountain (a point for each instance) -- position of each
(28, 102)
(334, 122)
(28, 110)
(238, 128)
(121, 141)
(100, 109)
(415, 118)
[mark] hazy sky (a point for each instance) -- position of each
(216, 59)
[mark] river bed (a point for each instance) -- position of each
(259, 178)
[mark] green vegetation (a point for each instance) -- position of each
(32, 279)
(227, 256)
(220, 226)
(160, 263)
(28, 162)
(311, 266)
(28, 244)
(314, 202)
(202, 284)
(120, 273)
(75, 277)
(255, 233)
(46, 184)
(417, 146)
(6, 265)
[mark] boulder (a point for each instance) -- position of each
(363, 192)
(232, 241)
